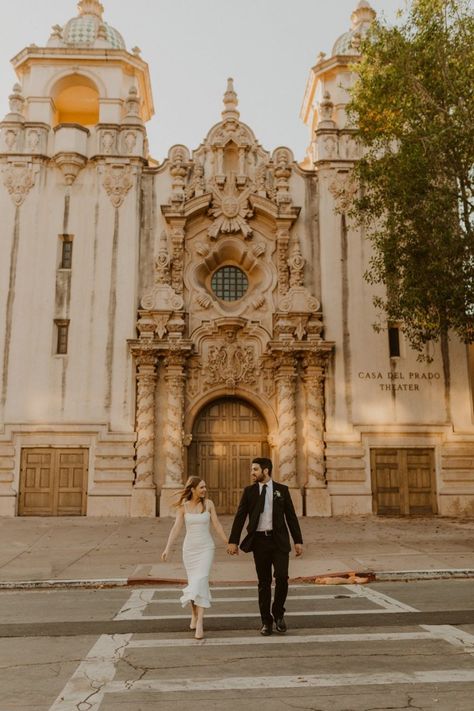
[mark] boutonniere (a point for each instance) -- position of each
(276, 495)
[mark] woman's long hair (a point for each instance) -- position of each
(186, 494)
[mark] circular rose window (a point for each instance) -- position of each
(229, 283)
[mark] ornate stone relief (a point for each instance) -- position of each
(18, 179)
(108, 142)
(118, 179)
(161, 297)
(179, 169)
(343, 188)
(230, 363)
(230, 208)
(282, 159)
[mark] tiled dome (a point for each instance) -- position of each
(362, 18)
(88, 27)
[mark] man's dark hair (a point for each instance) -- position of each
(264, 464)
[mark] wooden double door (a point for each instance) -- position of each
(53, 482)
(227, 435)
(403, 481)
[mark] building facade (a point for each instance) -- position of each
(160, 320)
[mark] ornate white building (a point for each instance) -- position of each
(163, 320)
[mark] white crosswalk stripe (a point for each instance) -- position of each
(95, 677)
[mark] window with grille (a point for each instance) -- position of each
(66, 253)
(229, 283)
(62, 329)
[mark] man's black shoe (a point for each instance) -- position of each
(280, 625)
(266, 630)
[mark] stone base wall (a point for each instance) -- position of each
(456, 496)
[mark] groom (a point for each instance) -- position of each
(270, 511)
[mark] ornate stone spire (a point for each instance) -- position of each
(230, 102)
(90, 7)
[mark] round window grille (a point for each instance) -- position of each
(229, 283)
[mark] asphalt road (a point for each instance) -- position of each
(348, 648)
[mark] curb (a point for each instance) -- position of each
(346, 578)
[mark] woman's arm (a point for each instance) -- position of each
(177, 526)
(216, 523)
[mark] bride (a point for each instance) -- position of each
(197, 511)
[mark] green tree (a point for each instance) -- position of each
(414, 106)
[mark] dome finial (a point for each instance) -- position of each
(364, 13)
(90, 7)
(230, 102)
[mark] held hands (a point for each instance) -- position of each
(232, 549)
(298, 549)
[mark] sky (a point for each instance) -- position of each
(192, 46)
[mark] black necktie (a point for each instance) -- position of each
(261, 501)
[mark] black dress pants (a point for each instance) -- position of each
(270, 559)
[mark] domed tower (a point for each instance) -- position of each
(326, 95)
(85, 78)
(73, 154)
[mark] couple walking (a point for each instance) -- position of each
(270, 512)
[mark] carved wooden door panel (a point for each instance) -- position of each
(403, 481)
(227, 435)
(53, 482)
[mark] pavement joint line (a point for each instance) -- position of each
(381, 576)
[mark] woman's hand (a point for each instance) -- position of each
(164, 555)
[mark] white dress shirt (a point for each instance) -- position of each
(266, 517)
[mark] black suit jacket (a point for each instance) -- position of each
(284, 517)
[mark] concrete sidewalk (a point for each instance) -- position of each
(78, 551)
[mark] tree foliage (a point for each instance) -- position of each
(414, 106)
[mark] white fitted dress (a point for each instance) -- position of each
(198, 554)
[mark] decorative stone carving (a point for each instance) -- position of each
(11, 137)
(330, 147)
(282, 159)
(70, 165)
(298, 300)
(175, 379)
(179, 168)
(161, 297)
(313, 379)
(16, 102)
(163, 262)
(326, 109)
(107, 142)
(118, 179)
(230, 363)
(283, 239)
(146, 382)
(343, 188)
(286, 405)
(132, 107)
(230, 208)
(33, 140)
(296, 265)
(18, 179)
(177, 260)
(197, 185)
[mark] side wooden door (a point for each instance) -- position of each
(53, 482)
(403, 481)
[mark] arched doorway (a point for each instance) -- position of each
(227, 434)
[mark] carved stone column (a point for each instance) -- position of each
(144, 490)
(286, 379)
(283, 240)
(174, 433)
(318, 502)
